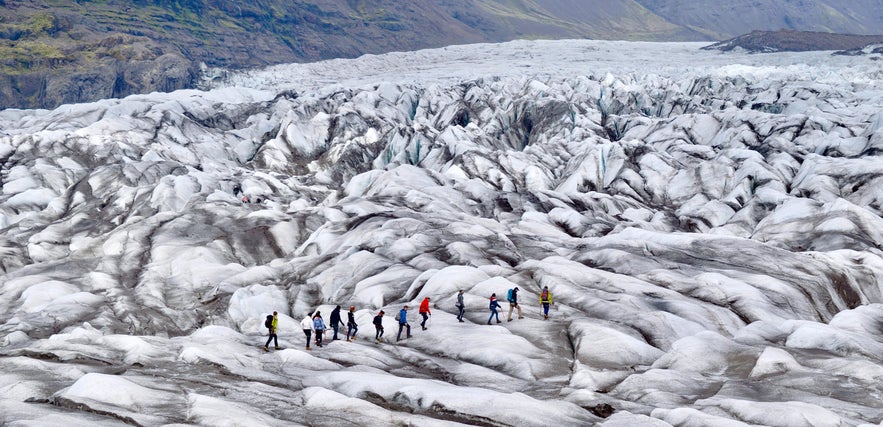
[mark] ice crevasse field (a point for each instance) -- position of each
(709, 225)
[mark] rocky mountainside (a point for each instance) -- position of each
(57, 51)
(722, 20)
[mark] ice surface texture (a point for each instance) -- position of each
(709, 224)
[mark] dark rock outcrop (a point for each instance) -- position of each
(794, 41)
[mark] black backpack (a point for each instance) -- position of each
(269, 322)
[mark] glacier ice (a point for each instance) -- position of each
(709, 225)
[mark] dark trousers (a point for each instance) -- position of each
(308, 333)
(461, 313)
(545, 309)
(272, 338)
(320, 335)
(403, 326)
(335, 326)
(379, 332)
(423, 323)
(351, 330)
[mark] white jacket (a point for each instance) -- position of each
(307, 323)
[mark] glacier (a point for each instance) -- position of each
(709, 224)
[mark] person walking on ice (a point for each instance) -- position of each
(402, 317)
(460, 306)
(512, 296)
(494, 305)
(378, 326)
(319, 327)
(424, 312)
(335, 321)
(546, 301)
(351, 326)
(272, 323)
(307, 325)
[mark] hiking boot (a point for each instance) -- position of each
(498, 321)
(266, 349)
(308, 348)
(278, 348)
(521, 317)
(509, 320)
(424, 328)
(408, 336)
(461, 320)
(488, 322)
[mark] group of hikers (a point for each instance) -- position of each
(314, 326)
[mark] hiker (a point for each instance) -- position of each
(546, 301)
(319, 327)
(460, 306)
(307, 325)
(512, 296)
(378, 326)
(494, 305)
(271, 323)
(351, 326)
(335, 321)
(424, 311)
(403, 323)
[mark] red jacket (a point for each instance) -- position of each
(424, 306)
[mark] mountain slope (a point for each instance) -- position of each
(74, 52)
(723, 20)
(595, 19)
(55, 51)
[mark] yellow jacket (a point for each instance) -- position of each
(548, 299)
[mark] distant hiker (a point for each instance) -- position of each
(307, 325)
(402, 317)
(460, 306)
(271, 323)
(237, 189)
(512, 296)
(245, 199)
(493, 306)
(351, 326)
(335, 321)
(546, 301)
(319, 327)
(424, 312)
(378, 326)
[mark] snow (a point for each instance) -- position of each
(212, 411)
(709, 225)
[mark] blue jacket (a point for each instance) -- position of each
(403, 316)
(318, 324)
(494, 304)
